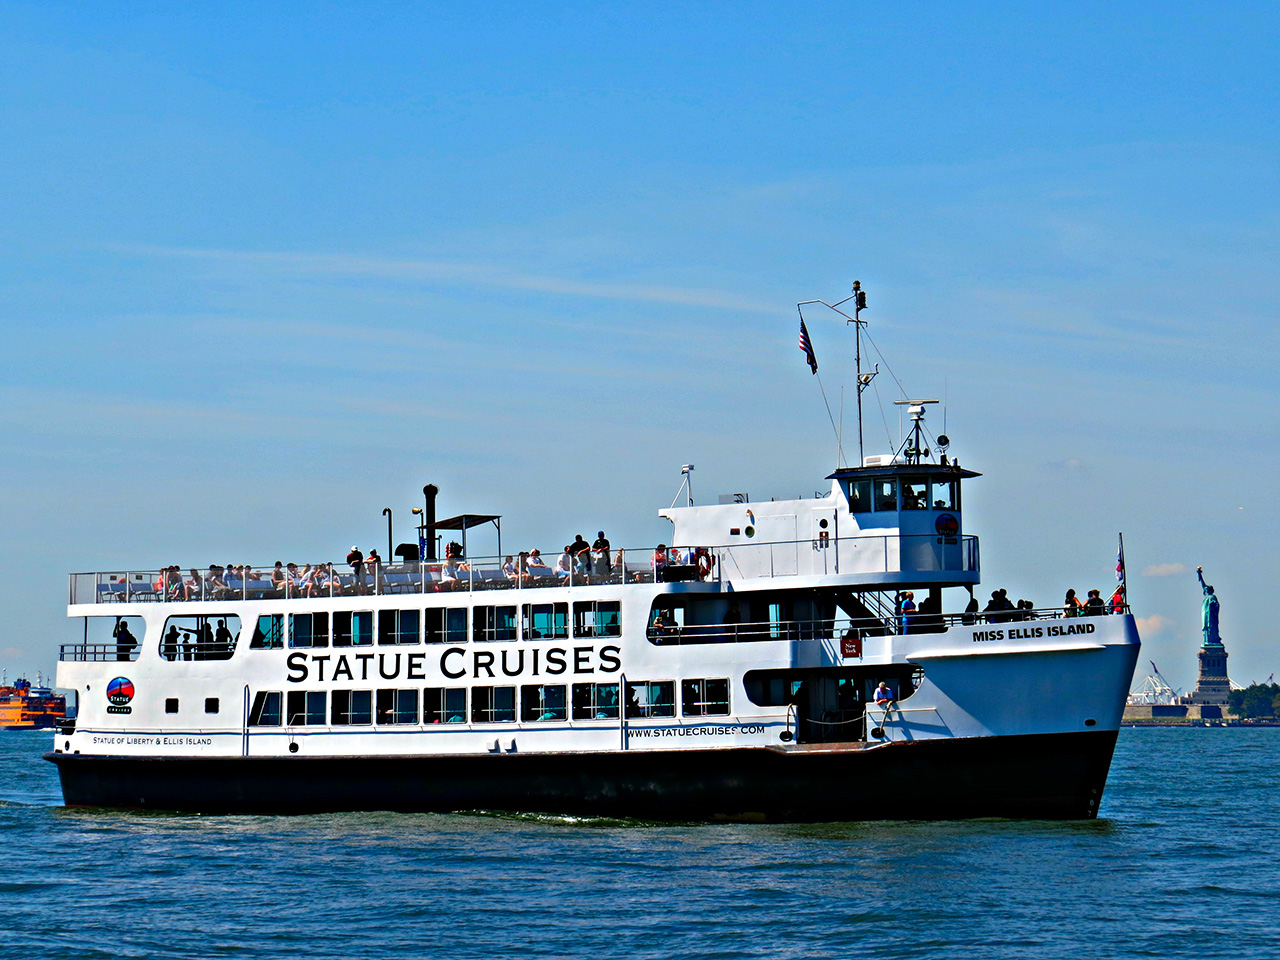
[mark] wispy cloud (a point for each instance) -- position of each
(1164, 570)
(453, 272)
(1150, 626)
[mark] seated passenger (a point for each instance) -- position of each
(535, 565)
(564, 566)
(509, 568)
(194, 586)
(215, 586)
(277, 579)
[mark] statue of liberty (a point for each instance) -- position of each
(1209, 612)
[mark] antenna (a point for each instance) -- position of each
(913, 449)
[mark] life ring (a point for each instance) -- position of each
(705, 562)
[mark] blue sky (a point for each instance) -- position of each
(269, 268)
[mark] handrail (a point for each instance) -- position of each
(683, 563)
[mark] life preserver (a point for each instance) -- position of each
(705, 562)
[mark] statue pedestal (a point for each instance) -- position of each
(1213, 686)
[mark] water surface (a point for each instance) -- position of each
(1184, 861)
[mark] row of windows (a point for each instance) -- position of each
(538, 703)
(918, 493)
(345, 628)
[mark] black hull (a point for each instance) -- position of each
(1052, 776)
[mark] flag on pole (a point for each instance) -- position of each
(807, 347)
(1118, 599)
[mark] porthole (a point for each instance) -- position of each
(822, 524)
(1091, 722)
(750, 531)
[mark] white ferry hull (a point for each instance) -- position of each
(1039, 776)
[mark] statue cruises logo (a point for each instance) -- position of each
(119, 693)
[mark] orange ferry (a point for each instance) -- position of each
(24, 707)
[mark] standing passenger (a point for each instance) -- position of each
(355, 559)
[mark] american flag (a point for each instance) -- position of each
(807, 347)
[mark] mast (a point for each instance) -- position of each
(859, 298)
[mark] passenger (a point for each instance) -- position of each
(600, 556)
(664, 625)
(930, 616)
(883, 695)
(373, 565)
(175, 586)
(355, 560)
(675, 556)
(619, 566)
(1094, 607)
(580, 550)
(222, 641)
(993, 608)
(195, 585)
(291, 580)
(1117, 600)
(659, 562)
(169, 645)
(215, 586)
(970, 610)
(1072, 607)
(564, 566)
(278, 577)
(303, 582)
(204, 650)
(320, 581)
(535, 565)
(509, 568)
(125, 641)
(449, 576)
(908, 607)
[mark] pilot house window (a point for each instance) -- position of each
(886, 495)
(915, 493)
(860, 496)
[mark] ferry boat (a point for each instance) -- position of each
(24, 706)
(763, 663)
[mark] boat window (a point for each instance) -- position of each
(546, 621)
(771, 690)
(445, 625)
(308, 629)
(704, 698)
(494, 623)
(595, 701)
(268, 634)
(397, 706)
(493, 704)
(352, 628)
(539, 704)
(444, 705)
(305, 708)
(206, 637)
(397, 626)
(915, 493)
(266, 709)
(597, 618)
(171, 705)
(651, 698)
(112, 638)
(352, 707)
(886, 495)
(860, 496)
(210, 704)
(946, 495)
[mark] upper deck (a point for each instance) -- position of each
(863, 559)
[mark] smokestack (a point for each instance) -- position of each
(429, 518)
